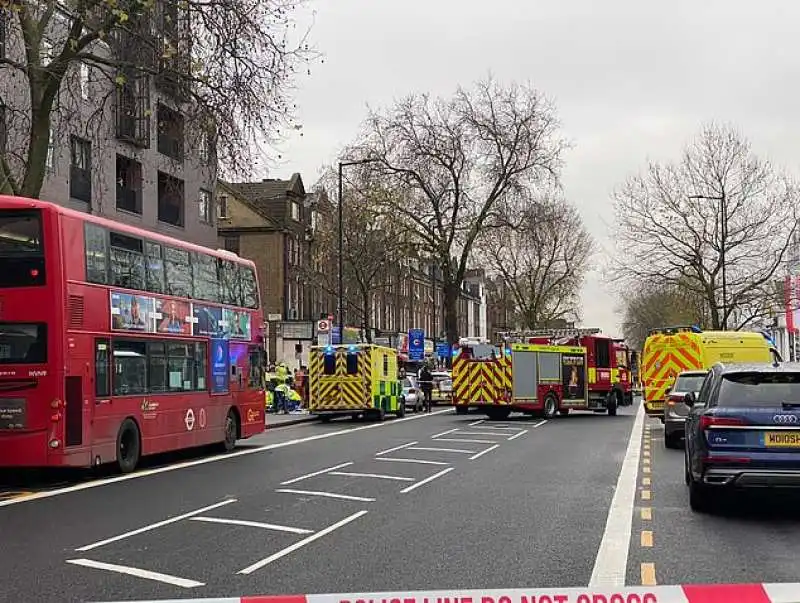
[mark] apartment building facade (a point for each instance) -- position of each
(120, 144)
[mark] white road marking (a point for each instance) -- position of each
(253, 524)
(539, 424)
(427, 449)
(444, 433)
(297, 545)
(388, 450)
(518, 434)
(155, 526)
(426, 480)
(325, 494)
(611, 563)
(419, 461)
(482, 452)
(314, 473)
(213, 459)
(466, 440)
(478, 422)
(135, 571)
(375, 475)
(487, 433)
(494, 426)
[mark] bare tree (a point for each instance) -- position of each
(227, 64)
(541, 256)
(648, 308)
(456, 160)
(719, 212)
(373, 246)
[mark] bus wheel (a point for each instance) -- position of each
(231, 431)
(550, 406)
(129, 446)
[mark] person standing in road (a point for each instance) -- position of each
(426, 385)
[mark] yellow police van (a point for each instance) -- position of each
(355, 380)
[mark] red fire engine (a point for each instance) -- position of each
(608, 360)
(537, 379)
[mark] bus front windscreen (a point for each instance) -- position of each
(21, 248)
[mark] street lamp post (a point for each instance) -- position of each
(723, 243)
(340, 301)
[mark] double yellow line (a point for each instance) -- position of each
(648, 570)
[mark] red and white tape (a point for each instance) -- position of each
(699, 593)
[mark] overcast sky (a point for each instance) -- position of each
(632, 80)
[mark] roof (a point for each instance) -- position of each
(259, 195)
(760, 367)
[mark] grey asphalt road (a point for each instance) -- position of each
(458, 505)
(748, 539)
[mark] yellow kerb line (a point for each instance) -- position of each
(649, 574)
(647, 513)
(647, 538)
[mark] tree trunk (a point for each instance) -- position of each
(366, 322)
(451, 295)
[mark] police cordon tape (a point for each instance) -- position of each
(695, 593)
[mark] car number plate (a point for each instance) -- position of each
(782, 439)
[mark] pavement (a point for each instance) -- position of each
(429, 502)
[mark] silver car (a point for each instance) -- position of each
(675, 410)
(412, 396)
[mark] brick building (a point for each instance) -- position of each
(124, 151)
(272, 223)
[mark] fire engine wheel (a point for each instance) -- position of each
(462, 409)
(498, 413)
(129, 446)
(550, 406)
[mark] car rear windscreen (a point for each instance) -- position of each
(689, 383)
(21, 248)
(23, 343)
(754, 389)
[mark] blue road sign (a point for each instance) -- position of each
(416, 344)
(442, 349)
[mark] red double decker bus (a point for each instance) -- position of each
(117, 342)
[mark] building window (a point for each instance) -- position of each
(232, 243)
(295, 211)
(133, 110)
(129, 185)
(222, 207)
(204, 202)
(170, 200)
(80, 176)
(170, 132)
(83, 76)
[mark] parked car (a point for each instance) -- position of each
(743, 431)
(411, 393)
(675, 410)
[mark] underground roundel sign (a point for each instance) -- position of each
(323, 326)
(189, 420)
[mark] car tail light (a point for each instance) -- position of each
(707, 421)
(673, 400)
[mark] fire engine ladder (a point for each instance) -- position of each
(551, 334)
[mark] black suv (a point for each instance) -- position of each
(743, 430)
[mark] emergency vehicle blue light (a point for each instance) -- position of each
(508, 351)
(352, 349)
(329, 350)
(696, 329)
(455, 352)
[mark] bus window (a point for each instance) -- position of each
(254, 376)
(127, 261)
(96, 243)
(155, 267)
(352, 363)
(329, 363)
(130, 368)
(101, 368)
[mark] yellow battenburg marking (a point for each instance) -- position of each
(648, 574)
(647, 538)
(647, 513)
(645, 494)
